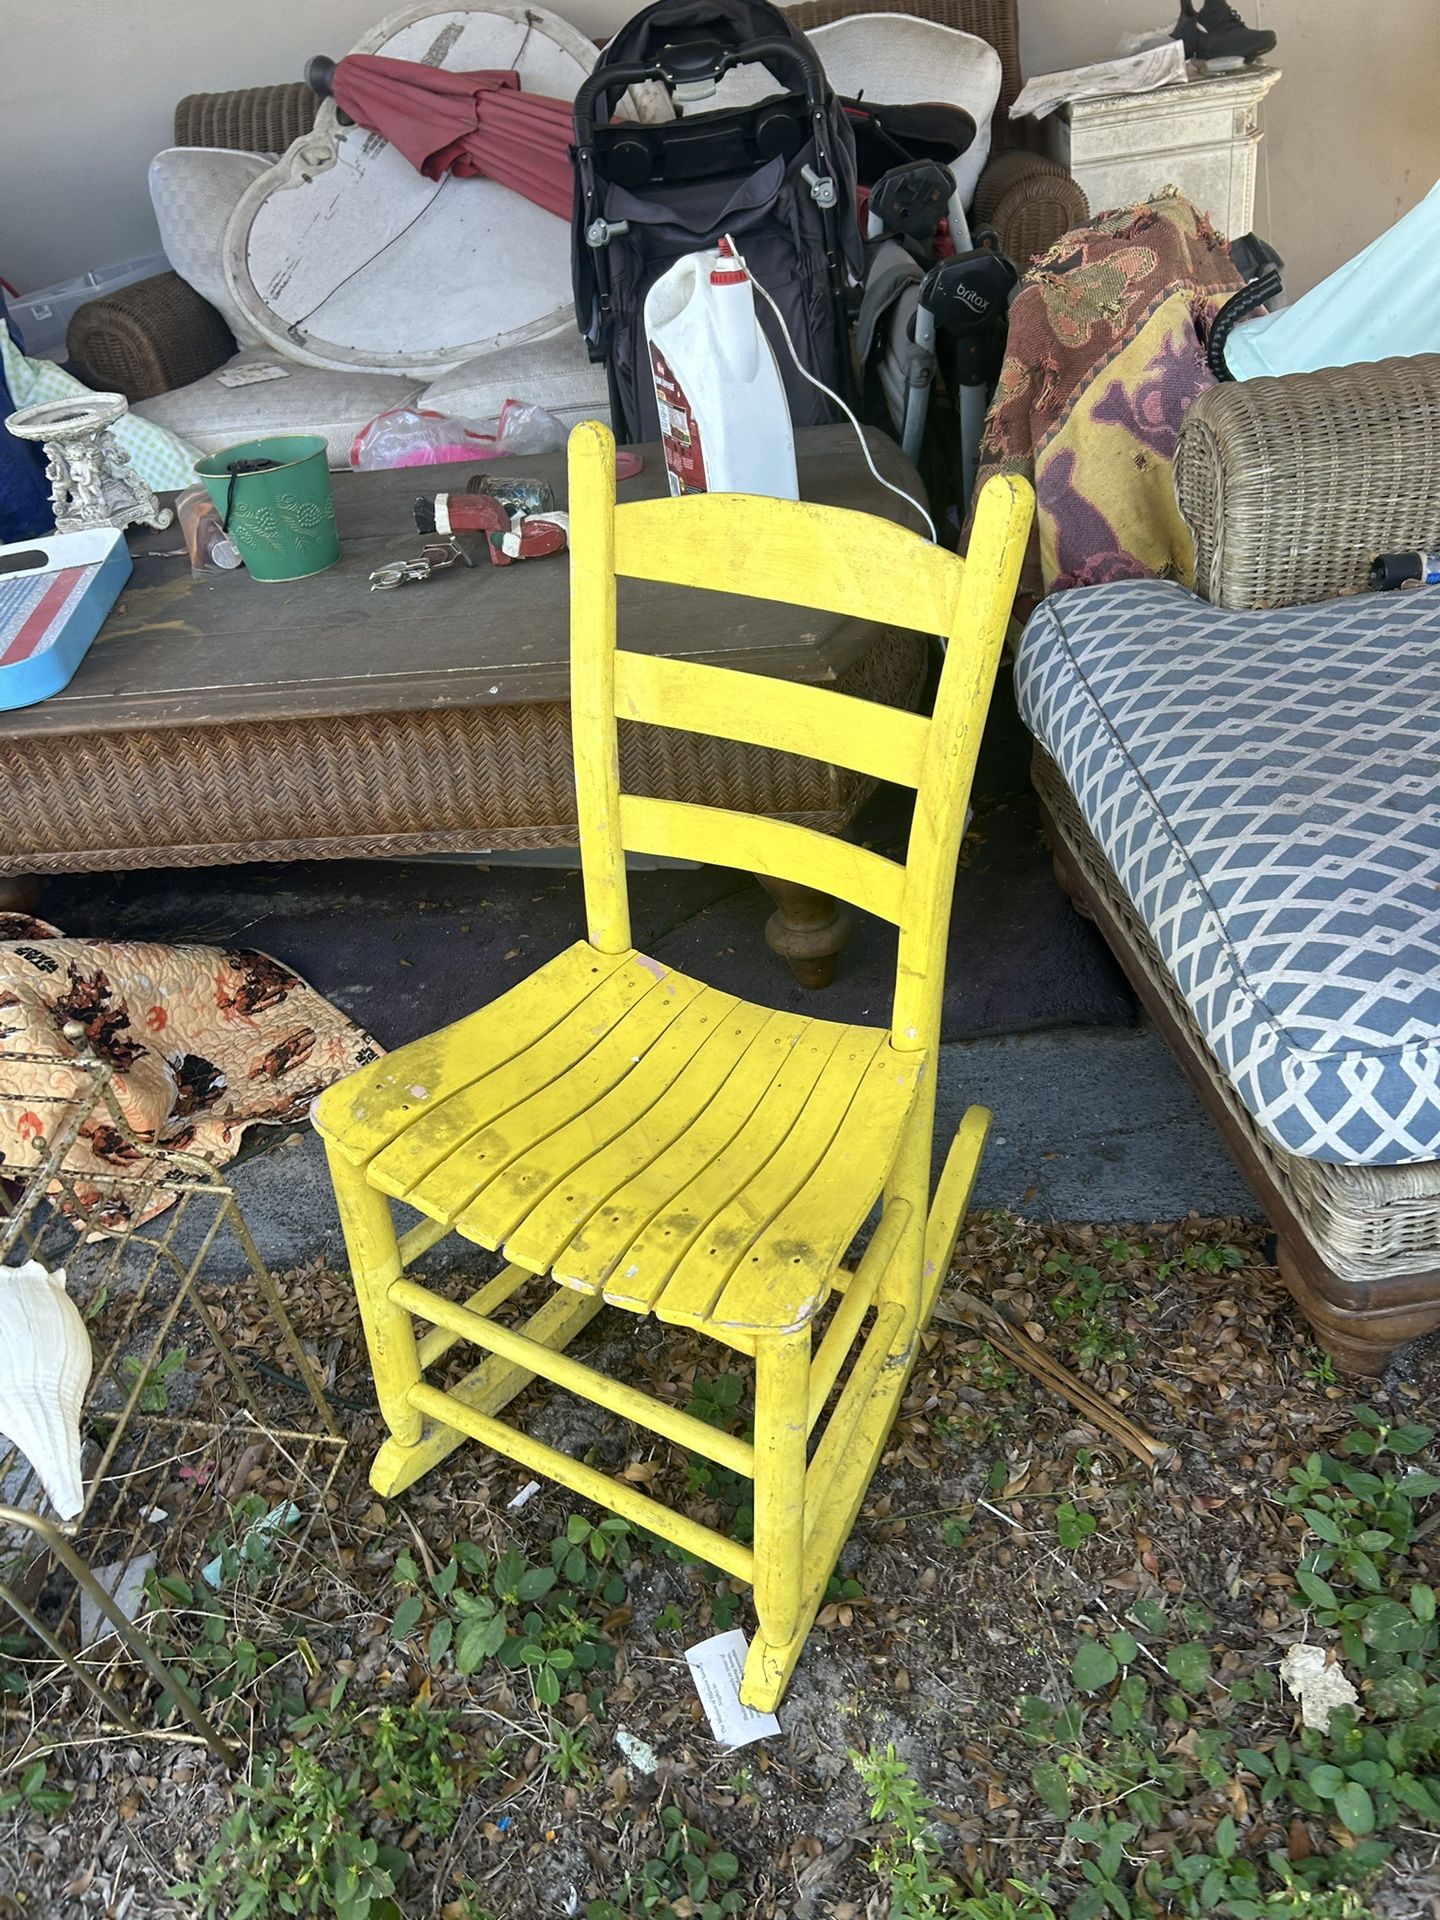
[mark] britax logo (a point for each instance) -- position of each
(976, 302)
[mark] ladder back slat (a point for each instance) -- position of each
(886, 742)
(675, 829)
(827, 558)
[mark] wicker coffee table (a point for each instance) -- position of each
(219, 720)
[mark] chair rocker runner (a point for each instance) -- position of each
(652, 1144)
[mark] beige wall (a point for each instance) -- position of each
(1352, 131)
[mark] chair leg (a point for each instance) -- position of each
(807, 930)
(951, 1203)
(782, 1384)
(371, 1243)
(855, 1437)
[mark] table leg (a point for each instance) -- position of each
(807, 930)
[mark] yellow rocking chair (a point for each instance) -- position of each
(653, 1144)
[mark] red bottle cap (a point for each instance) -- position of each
(723, 276)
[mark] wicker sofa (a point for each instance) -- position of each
(158, 334)
(1290, 487)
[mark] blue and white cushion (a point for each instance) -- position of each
(1266, 788)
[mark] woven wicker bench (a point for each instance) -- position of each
(1357, 1247)
(1290, 488)
(219, 720)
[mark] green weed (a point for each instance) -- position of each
(1138, 1738)
(317, 1828)
(13, 1647)
(1201, 1257)
(570, 1755)
(1072, 1526)
(906, 1857)
(154, 1394)
(480, 1609)
(690, 1878)
(1085, 1308)
(32, 1792)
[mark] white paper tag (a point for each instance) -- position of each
(523, 1498)
(716, 1666)
(251, 376)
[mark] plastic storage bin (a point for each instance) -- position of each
(43, 318)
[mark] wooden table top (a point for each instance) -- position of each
(222, 649)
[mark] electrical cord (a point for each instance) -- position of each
(293, 327)
(805, 374)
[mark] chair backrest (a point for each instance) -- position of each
(993, 21)
(826, 558)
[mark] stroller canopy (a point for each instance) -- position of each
(1383, 304)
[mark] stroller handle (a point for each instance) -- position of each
(1255, 293)
(605, 81)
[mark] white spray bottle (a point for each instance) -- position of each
(724, 419)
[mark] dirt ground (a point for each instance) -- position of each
(999, 1525)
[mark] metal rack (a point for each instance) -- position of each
(159, 1480)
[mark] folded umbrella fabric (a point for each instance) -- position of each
(472, 125)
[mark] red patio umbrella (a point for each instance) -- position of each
(474, 125)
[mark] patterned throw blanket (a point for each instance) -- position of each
(1103, 359)
(203, 1043)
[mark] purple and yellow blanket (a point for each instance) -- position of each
(1104, 356)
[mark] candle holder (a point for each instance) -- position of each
(91, 480)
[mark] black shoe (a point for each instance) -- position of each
(1213, 33)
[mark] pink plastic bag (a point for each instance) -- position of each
(416, 437)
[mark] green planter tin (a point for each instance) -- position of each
(282, 518)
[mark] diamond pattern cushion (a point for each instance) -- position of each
(1266, 787)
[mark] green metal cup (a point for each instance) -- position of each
(282, 519)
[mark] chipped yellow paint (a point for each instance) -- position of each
(647, 1141)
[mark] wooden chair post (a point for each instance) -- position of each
(977, 634)
(370, 1241)
(592, 685)
(782, 1376)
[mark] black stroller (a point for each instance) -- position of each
(779, 175)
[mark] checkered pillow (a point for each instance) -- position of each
(1266, 787)
(194, 191)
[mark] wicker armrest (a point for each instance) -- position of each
(1292, 486)
(1030, 201)
(148, 337)
(248, 119)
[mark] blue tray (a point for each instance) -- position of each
(54, 595)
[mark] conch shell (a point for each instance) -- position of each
(45, 1365)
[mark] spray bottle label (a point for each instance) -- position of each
(679, 431)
